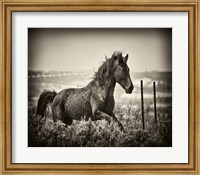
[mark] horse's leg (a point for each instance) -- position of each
(68, 120)
(103, 115)
(95, 117)
(98, 115)
(107, 117)
(55, 112)
(118, 122)
(94, 106)
(59, 114)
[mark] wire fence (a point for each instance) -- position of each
(116, 89)
(142, 92)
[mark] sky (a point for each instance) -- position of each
(65, 49)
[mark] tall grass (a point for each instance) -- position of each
(46, 133)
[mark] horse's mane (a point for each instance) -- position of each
(106, 68)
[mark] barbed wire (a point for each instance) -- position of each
(116, 89)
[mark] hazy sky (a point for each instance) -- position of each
(85, 49)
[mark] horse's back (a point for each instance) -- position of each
(61, 95)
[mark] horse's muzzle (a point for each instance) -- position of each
(129, 89)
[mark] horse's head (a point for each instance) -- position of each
(122, 75)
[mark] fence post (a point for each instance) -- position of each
(154, 93)
(142, 105)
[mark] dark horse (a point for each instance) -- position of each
(96, 100)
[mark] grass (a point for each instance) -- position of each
(46, 133)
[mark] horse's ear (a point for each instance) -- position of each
(125, 58)
(120, 60)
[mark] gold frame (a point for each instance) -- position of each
(9, 6)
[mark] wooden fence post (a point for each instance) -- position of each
(142, 105)
(154, 93)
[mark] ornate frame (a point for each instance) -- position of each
(9, 6)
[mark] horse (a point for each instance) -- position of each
(95, 100)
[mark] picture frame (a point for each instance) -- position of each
(8, 7)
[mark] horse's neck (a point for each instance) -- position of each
(104, 91)
(110, 87)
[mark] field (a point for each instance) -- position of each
(45, 133)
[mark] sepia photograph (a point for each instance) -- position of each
(100, 87)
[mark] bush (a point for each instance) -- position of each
(46, 133)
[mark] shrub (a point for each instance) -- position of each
(46, 133)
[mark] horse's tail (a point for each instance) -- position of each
(45, 97)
